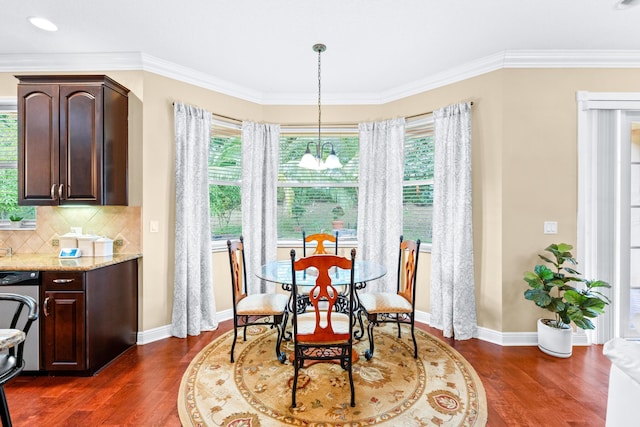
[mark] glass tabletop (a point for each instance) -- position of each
(280, 272)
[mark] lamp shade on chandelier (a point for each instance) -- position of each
(311, 160)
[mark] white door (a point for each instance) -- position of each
(609, 205)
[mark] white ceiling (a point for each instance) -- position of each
(377, 50)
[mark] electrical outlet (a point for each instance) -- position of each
(118, 242)
(55, 242)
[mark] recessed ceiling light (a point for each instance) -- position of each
(43, 23)
(625, 4)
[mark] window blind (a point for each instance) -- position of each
(418, 180)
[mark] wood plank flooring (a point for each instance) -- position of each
(524, 386)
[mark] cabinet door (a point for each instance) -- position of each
(38, 144)
(64, 331)
(81, 153)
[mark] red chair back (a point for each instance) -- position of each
(324, 297)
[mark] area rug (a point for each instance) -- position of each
(439, 388)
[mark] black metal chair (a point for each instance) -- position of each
(255, 309)
(398, 307)
(324, 333)
(12, 361)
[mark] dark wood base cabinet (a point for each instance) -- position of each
(88, 318)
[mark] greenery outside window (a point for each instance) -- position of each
(318, 201)
(11, 215)
(225, 155)
(312, 200)
(417, 192)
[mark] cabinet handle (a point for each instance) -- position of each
(53, 192)
(62, 280)
(60, 191)
(45, 307)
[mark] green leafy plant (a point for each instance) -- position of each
(553, 290)
(15, 218)
(337, 212)
(297, 210)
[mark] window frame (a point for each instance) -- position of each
(220, 245)
(326, 135)
(10, 104)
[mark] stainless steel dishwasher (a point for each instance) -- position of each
(23, 283)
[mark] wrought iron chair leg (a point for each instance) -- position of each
(415, 344)
(398, 323)
(235, 336)
(244, 333)
(4, 409)
(295, 383)
(353, 394)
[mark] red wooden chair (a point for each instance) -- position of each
(320, 239)
(324, 333)
(398, 307)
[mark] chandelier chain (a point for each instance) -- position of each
(319, 91)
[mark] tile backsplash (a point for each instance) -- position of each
(115, 222)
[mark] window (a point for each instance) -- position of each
(310, 200)
(318, 201)
(9, 209)
(225, 154)
(417, 192)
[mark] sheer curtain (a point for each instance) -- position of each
(380, 197)
(453, 306)
(260, 143)
(193, 303)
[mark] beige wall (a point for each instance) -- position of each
(524, 171)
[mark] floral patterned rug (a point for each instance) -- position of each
(439, 388)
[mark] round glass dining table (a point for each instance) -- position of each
(280, 272)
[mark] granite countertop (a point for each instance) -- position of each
(50, 262)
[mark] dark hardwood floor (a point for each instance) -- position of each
(524, 386)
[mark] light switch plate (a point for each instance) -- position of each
(153, 226)
(550, 227)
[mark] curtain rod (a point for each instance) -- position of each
(221, 115)
(310, 124)
(428, 112)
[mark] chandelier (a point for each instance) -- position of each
(309, 160)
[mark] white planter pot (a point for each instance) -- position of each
(556, 342)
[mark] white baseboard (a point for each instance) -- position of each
(505, 339)
(162, 332)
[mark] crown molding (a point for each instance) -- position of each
(49, 62)
(200, 79)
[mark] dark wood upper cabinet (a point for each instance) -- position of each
(72, 140)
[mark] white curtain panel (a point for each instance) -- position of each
(380, 197)
(453, 303)
(193, 302)
(260, 145)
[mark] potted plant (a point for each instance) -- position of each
(338, 213)
(16, 220)
(553, 289)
